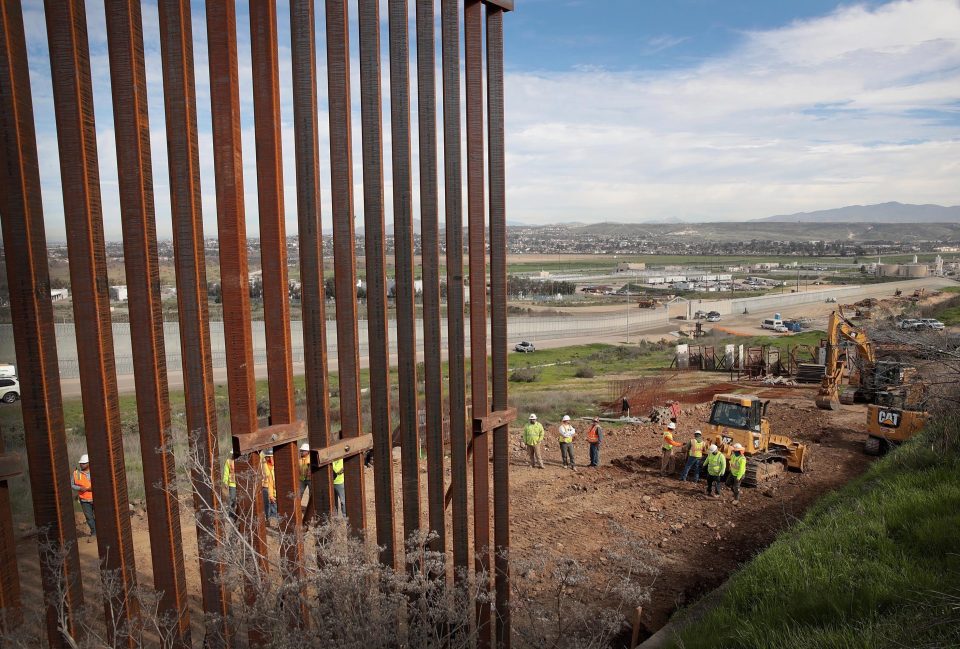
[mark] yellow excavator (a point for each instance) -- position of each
(739, 418)
(895, 396)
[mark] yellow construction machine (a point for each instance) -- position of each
(739, 418)
(895, 396)
(841, 329)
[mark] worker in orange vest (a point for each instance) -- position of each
(674, 411)
(84, 487)
(595, 437)
(269, 486)
(666, 454)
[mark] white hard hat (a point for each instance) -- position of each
(533, 417)
(738, 446)
(672, 426)
(713, 448)
(84, 459)
(268, 452)
(305, 446)
(697, 432)
(566, 418)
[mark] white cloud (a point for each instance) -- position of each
(857, 106)
(788, 121)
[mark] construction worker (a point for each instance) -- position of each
(666, 449)
(624, 407)
(339, 496)
(84, 487)
(304, 467)
(694, 457)
(269, 485)
(595, 438)
(229, 480)
(674, 411)
(738, 468)
(567, 433)
(533, 434)
(716, 466)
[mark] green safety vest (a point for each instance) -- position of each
(533, 434)
(738, 466)
(696, 448)
(338, 472)
(716, 464)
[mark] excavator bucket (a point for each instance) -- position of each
(828, 402)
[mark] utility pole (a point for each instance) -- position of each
(628, 311)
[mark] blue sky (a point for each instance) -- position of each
(631, 110)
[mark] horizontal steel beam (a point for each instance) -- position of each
(9, 465)
(494, 420)
(341, 450)
(506, 5)
(269, 437)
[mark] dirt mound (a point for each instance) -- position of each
(636, 463)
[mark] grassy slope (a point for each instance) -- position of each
(874, 564)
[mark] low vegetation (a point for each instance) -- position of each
(871, 565)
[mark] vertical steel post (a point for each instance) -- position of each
(183, 160)
(80, 178)
(403, 263)
(25, 244)
(430, 252)
(473, 69)
(273, 260)
(453, 207)
(138, 220)
(498, 320)
(228, 167)
(11, 607)
(374, 247)
(312, 298)
(344, 258)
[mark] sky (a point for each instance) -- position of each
(621, 110)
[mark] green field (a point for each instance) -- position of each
(874, 564)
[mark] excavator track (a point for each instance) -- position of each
(763, 466)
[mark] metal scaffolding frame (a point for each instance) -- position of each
(24, 239)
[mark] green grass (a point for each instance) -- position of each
(874, 564)
(951, 289)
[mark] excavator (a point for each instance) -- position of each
(739, 418)
(896, 398)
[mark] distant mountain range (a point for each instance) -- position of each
(881, 213)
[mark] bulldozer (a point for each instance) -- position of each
(894, 393)
(738, 418)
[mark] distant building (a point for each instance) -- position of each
(118, 293)
(59, 294)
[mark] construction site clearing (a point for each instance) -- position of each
(561, 514)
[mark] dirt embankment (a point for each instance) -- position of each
(701, 540)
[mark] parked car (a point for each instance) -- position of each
(524, 347)
(10, 390)
(931, 323)
(772, 323)
(793, 325)
(909, 323)
(780, 328)
(831, 300)
(699, 315)
(713, 317)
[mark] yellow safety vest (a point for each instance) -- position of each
(269, 480)
(716, 464)
(738, 466)
(338, 472)
(229, 478)
(667, 438)
(533, 433)
(561, 438)
(696, 448)
(304, 468)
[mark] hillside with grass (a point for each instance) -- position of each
(875, 564)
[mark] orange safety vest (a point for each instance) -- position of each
(83, 480)
(592, 435)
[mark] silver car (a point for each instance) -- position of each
(9, 390)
